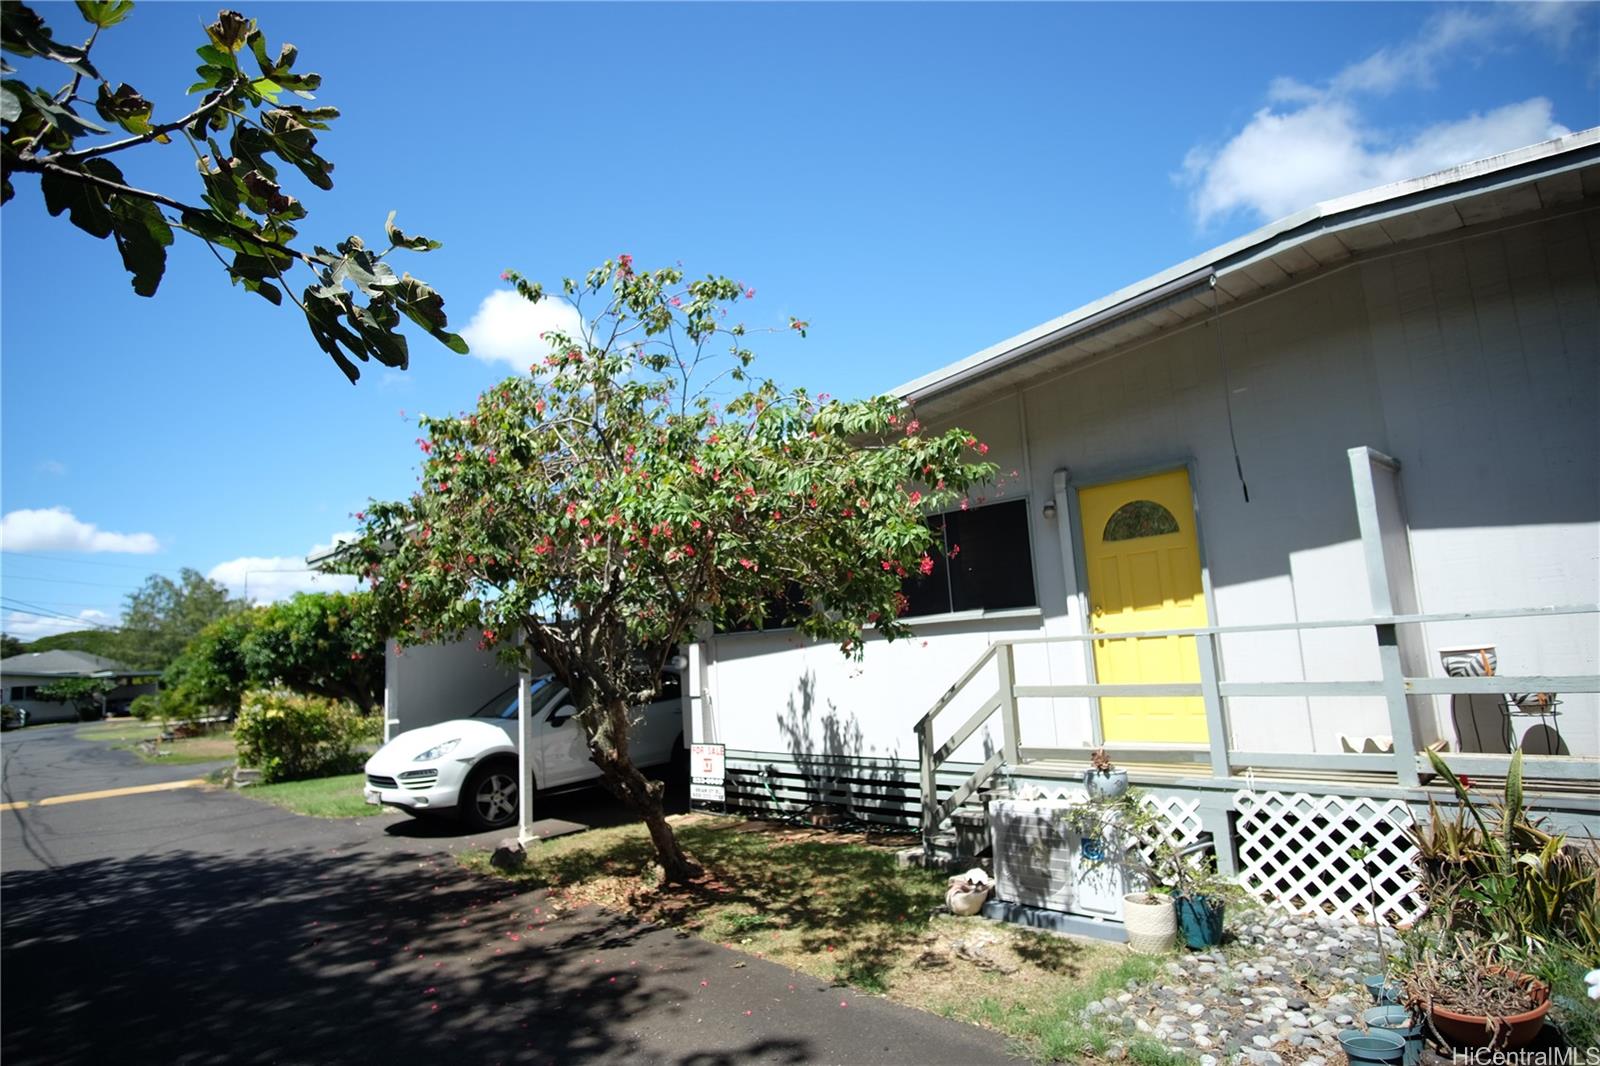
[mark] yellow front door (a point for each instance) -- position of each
(1143, 561)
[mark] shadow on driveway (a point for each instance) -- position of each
(350, 956)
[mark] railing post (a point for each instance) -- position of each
(929, 782)
(1010, 726)
(1394, 691)
(1205, 645)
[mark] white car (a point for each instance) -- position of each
(469, 765)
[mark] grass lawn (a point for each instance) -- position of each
(322, 797)
(836, 907)
(129, 734)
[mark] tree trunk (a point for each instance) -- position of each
(608, 746)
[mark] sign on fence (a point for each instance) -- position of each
(707, 769)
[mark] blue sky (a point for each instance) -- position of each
(918, 181)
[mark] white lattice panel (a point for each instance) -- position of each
(1180, 816)
(1294, 854)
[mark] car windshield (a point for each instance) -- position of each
(504, 704)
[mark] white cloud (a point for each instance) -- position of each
(507, 328)
(25, 625)
(1314, 142)
(1281, 162)
(54, 529)
(268, 578)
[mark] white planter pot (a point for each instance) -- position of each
(1152, 927)
(1105, 784)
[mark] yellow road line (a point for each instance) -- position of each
(79, 797)
(17, 806)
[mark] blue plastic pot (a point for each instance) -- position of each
(1199, 920)
(1377, 1045)
(1383, 993)
(1393, 1018)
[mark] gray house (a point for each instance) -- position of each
(1271, 524)
(22, 676)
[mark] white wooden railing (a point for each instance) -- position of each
(1405, 763)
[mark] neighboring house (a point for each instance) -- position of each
(22, 676)
(1406, 381)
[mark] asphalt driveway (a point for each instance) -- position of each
(195, 926)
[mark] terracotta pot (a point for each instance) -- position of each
(1517, 1030)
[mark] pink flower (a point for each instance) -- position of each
(983, 449)
(625, 264)
(572, 509)
(505, 275)
(748, 565)
(912, 426)
(915, 497)
(749, 294)
(926, 565)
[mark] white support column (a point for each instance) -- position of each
(524, 779)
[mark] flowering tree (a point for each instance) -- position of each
(596, 511)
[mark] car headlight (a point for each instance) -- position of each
(438, 751)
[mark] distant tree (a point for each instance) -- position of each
(86, 694)
(211, 671)
(10, 645)
(102, 642)
(162, 616)
(316, 644)
(601, 508)
(352, 300)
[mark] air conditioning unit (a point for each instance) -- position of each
(1041, 861)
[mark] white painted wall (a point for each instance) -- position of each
(429, 683)
(1474, 363)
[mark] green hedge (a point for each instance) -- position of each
(289, 737)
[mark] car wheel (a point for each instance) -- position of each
(489, 797)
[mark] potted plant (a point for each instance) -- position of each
(1468, 997)
(1119, 824)
(1151, 922)
(1199, 895)
(1102, 779)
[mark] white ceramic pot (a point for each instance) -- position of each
(1152, 926)
(1105, 784)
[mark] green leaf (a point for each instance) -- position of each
(267, 87)
(215, 56)
(231, 30)
(425, 307)
(89, 206)
(142, 237)
(399, 239)
(13, 98)
(63, 118)
(265, 289)
(24, 33)
(125, 107)
(104, 13)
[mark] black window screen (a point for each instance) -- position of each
(987, 563)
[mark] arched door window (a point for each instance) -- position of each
(1140, 518)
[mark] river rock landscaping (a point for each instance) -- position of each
(1278, 992)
